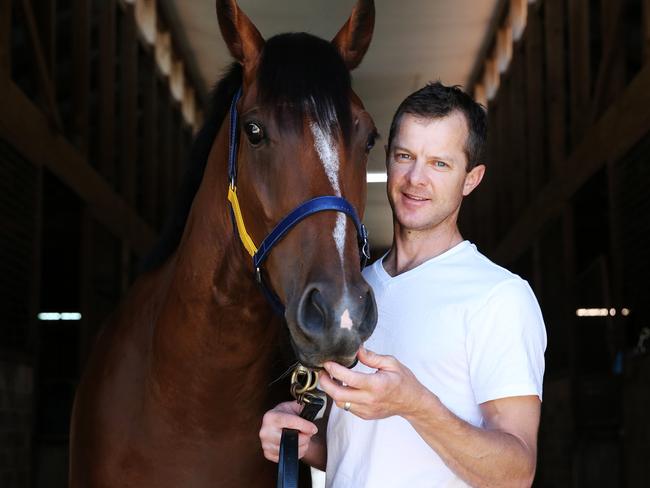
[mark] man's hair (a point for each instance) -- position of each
(435, 101)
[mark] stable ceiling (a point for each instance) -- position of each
(414, 41)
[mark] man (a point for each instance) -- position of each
(452, 395)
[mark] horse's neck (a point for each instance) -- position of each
(214, 325)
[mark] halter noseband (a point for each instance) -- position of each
(304, 210)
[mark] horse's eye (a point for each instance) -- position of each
(370, 143)
(254, 133)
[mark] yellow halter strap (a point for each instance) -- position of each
(245, 237)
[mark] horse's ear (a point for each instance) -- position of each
(353, 39)
(242, 37)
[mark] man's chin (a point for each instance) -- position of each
(412, 223)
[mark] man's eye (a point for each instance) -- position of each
(402, 156)
(441, 164)
(254, 132)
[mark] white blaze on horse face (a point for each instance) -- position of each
(329, 156)
(346, 320)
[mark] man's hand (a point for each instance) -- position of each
(391, 390)
(285, 415)
(503, 453)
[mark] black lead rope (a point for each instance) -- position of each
(303, 387)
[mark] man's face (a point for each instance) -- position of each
(427, 176)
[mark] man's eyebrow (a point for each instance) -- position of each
(443, 157)
(397, 147)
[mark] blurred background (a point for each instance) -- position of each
(99, 101)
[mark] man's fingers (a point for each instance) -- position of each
(341, 393)
(288, 421)
(277, 419)
(374, 360)
(345, 375)
(289, 407)
(271, 446)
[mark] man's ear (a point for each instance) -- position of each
(473, 178)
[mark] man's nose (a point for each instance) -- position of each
(415, 175)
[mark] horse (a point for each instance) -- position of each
(178, 379)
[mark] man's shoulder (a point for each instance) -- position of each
(463, 269)
(472, 266)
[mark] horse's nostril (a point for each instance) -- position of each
(369, 319)
(312, 311)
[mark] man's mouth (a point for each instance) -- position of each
(415, 198)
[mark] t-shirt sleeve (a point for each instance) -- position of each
(506, 339)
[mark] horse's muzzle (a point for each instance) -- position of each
(331, 326)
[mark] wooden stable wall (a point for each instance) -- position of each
(566, 204)
(97, 112)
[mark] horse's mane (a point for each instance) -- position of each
(299, 74)
(172, 231)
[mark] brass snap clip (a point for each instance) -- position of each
(303, 380)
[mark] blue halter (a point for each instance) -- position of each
(310, 207)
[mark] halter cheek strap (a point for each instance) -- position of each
(233, 146)
(304, 210)
(245, 238)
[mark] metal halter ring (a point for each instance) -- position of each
(303, 380)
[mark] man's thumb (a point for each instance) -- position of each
(369, 358)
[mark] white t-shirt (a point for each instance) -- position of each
(470, 331)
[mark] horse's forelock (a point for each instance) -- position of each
(303, 78)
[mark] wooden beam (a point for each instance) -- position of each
(88, 309)
(5, 38)
(23, 123)
(609, 79)
(168, 15)
(646, 31)
(580, 69)
(81, 73)
(189, 106)
(616, 238)
(44, 15)
(164, 149)
(176, 163)
(487, 45)
(504, 47)
(125, 267)
(504, 161)
(37, 265)
(568, 243)
(45, 81)
(146, 18)
(555, 83)
(625, 122)
(488, 207)
(491, 78)
(518, 17)
(107, 91)
(535, 112)
(177, 79)
(129, 103)
(163, 52)
(150, 142)
(518, 121)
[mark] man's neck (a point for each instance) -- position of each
(412, 248)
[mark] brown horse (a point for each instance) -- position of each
(178, 381)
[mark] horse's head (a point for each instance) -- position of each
(303, 133)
